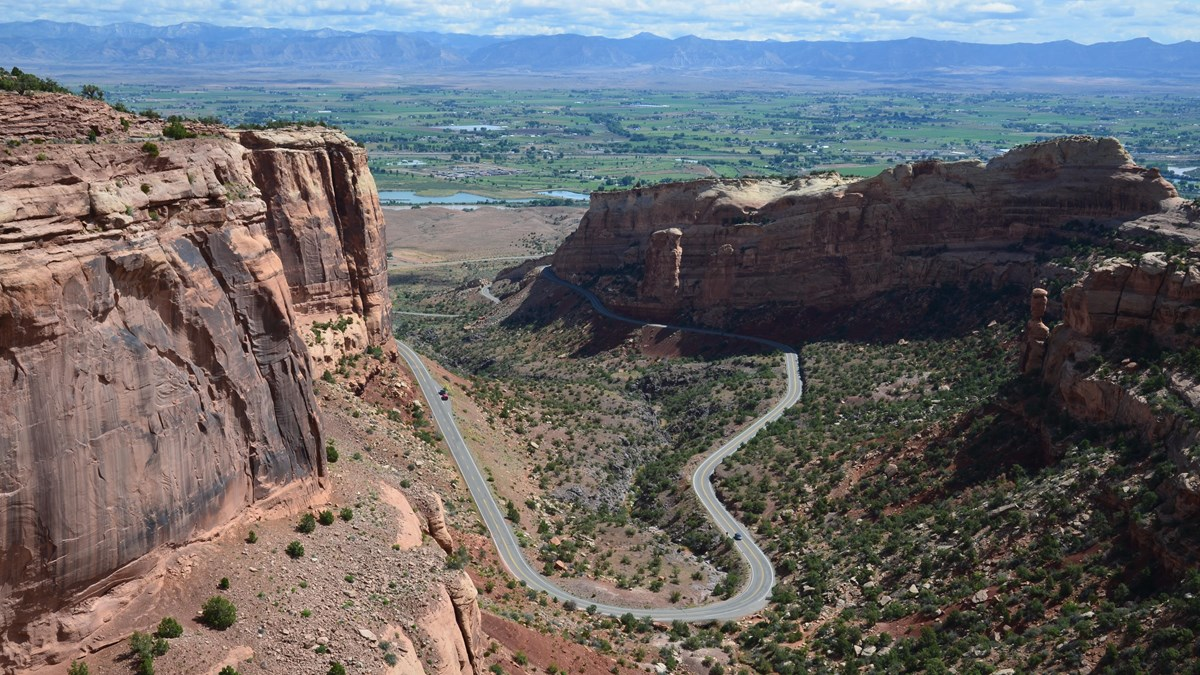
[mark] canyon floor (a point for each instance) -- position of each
(927, 508)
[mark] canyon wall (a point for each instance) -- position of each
(1125, 320)
(744, 252)
(157, 312)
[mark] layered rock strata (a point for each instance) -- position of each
(155, 305)
(726, 252)
(1146, 304)
(1156, 296)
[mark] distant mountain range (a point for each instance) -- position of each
(58, 48)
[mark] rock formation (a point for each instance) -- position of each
(1155, 296)
(1036, 333)
(430, 506)
(1136, 306)
(747, 252)
(155, 305)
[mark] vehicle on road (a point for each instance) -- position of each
(737, 536)
(445, 396)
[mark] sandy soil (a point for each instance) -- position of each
(434, 233)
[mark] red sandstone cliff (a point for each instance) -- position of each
(154, 314)
(1137, 308)
(725, 252)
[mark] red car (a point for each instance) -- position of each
(445, 396)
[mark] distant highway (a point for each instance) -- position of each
(484, 290)
(446, 263)
(761, 575)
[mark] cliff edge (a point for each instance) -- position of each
(771, 256)
(164, 307)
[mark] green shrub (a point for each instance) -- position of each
(308, 523)
(347, 513)
(252, 538)
(295, 550)
(336, 668)
(175, 130)
(331, 453)
(229, 670)
(218, 613)
(169, 628)
(150, 148)
(223, 584)
(144, 648)
(78, 668)
(325, 517)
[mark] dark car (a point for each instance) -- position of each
(442, 392)
(737, 536)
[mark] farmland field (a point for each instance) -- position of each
(514, 144)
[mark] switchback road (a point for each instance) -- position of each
(760, 574)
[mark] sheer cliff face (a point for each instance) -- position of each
(769, 250)
(153, 319)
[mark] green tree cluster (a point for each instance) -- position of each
(25, 83)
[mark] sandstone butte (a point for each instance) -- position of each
(769, 257)
(772, 257)
(154, 314)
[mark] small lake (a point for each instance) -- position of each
(566, 194)
(410, 197)
(1181, 170)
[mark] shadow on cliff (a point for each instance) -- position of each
(942, 312)
(548, 302)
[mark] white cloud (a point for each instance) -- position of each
(970, 20)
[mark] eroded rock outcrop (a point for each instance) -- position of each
(759, 251)
(1122, 311)
(448, 651)
(430, 506)
(1154, 296)
(1036, 333)
(154, 307)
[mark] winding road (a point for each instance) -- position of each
(761, 575)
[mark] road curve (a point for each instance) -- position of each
(761, 575)
(486, 291)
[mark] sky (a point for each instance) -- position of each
(991, 21)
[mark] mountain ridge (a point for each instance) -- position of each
(53, 46)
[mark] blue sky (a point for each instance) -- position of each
(995, 21)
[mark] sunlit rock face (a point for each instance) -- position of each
(761, 251)
(154, 314)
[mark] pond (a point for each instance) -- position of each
(410, 197)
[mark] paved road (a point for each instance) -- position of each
(431, 315)
(446, 263)
(761, 575)
(486, 291)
